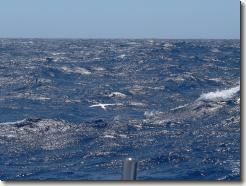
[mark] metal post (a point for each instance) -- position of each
(129, 169)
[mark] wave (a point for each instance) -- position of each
(117, 95)
(152, 113)
(77, 70)
(99, 69)
(207, 104)
(14, 122)
(220, 95)
(179, 107)
(105, 105)
(122, 56)
(47, 134)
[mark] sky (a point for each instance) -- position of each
(169, 19)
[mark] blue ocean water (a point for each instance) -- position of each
(75, 109)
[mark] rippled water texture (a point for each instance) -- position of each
(75, 109)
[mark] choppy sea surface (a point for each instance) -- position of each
(75, 109)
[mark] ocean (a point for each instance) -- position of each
(75, 109)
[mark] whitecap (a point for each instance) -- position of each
(14, 122)
(29, 96)
(137, 104)
(152, 113)
(238, 101)
(122, 135)
(96, 58)
(105, 105)
(215, 50)
(109, 136)
(122, 56)
(39, 98)
(167, 46)
(77, 70)
(117, 95)
(66, 69)
(217, 80)
(220, 95)
(82, 71)
(99, 68)
(58, 53)
(179, 107)
(132, 43)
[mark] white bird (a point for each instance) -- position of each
(103, 106)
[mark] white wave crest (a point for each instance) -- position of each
(14, 122)
(122, 56)
(152, 113)
(179, 107)
(78, 70)
(220, 95)
(117, 95)
(104, 106)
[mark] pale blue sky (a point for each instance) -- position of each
(120, 19)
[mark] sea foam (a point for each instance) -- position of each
(220, 95)
(78, 70)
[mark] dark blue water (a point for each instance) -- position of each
(75, 109)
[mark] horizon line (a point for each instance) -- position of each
(120, 38)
